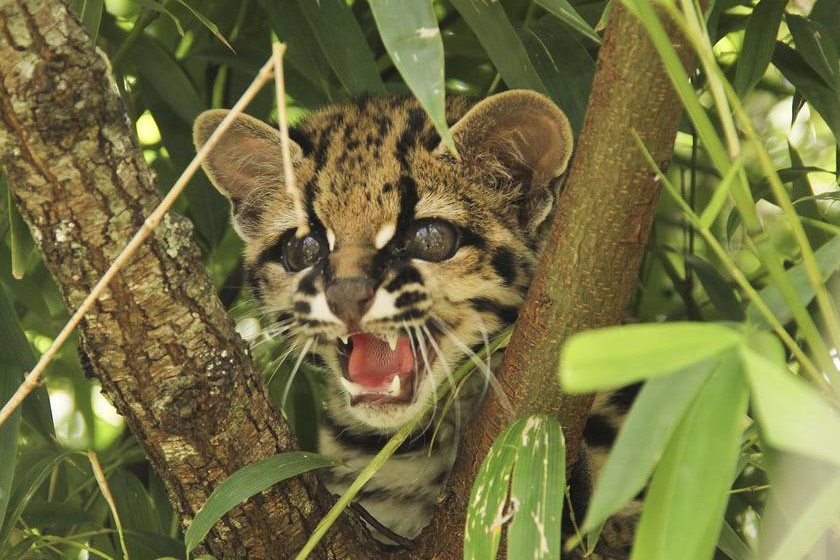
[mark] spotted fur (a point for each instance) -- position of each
(370, 171)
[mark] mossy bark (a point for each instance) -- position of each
(594, 249)
(159, 340)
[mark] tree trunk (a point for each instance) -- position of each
(591, 261)
(162, 344)
(159, 340)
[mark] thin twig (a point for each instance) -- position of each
(289, 176)
(99, 475)
(32, 379)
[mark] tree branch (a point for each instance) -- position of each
(159, 340)
(592, 256)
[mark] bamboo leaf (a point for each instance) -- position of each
(246, 482)
(828, 261)
(617, 356)
(656, 412)
(522, 481)
(537, 490)
(732, 545)
(499, 39)
(344, 45)
(687, 497)
(827, 12)
(792, 415)
(759, 41)
(90, 14)
(24, 487)
(815, 509)
(288, 22)
(162, 73)
(564, 64)
(16, 234)
(564, 11)
(816, 47)
(411, 36)
(17, 353)
(486, 513)
(720, 293)
(10, 375)
(824, 99)
(212, 27)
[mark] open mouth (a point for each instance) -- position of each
(379, 370)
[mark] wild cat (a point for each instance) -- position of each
(414, 259)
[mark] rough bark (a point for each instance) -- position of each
(591, 261)
(160, 341)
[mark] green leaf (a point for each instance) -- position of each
(89, 13)
(344, 45)
(828, 261)
(803, 196)
(161, 72)
(803, 505)
(246, 482)
(16, 234)
(827, 12)
(24, 488)
(720, 292)
(18, 356)
(212, 27)
(617, 356)
(564, 64)
(816, 46)
(824, 99)
(684, 506)
(302, 51)
(56, 515)
(537, 490)
(792, 415)
(656, 412)
(567, 14)
(411, 36)
(134, 504)
(486, 513)
(721, 194)
(10, 375)
(759, 41)
(499, 39)
(522, 480)
(732, 545)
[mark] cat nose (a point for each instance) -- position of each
(350, 298)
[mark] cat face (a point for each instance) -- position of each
(413, 258)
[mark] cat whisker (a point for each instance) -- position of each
(479, 363)
(421, 344)
(307, 345)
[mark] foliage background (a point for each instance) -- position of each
(171, 60)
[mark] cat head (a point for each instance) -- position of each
(414, 257)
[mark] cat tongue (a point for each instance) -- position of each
(373, 364)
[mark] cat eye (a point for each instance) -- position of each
(300, 253)
(432, 240)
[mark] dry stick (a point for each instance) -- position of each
(282, 121)
(99, 475)
(32, 379)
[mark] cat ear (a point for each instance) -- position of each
(527, 138)
(248, 158)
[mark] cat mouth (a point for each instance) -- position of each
(379, 369)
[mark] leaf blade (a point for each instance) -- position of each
(246, 482)
(639, 352)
